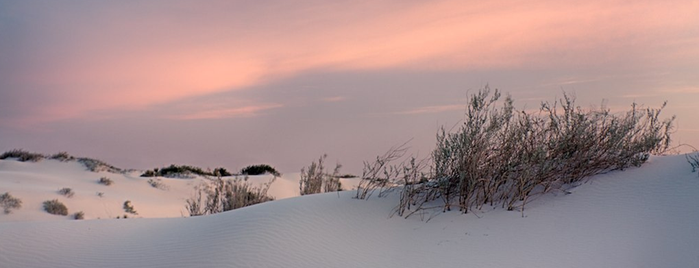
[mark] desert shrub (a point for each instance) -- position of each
(105, 181)
(503, 156)
(221, 172)
(67, 192)
(79, 215)
(150, 173)
(314, 178)
(380, 174)
(55, 207)
(9, 202)
(22, 155)
(184, 171)
(219, 195)
(158, 184)
(128, 208)
(62, 156)
(259, 170)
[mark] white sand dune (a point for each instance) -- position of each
(641, 217)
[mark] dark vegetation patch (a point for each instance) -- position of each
(260, 170)
(184, 171)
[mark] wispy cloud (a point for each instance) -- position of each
(245, 111)
(334, 99)
(124, 56)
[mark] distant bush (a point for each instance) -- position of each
(221, 195)
(79, 215)
(22, 156)
(502, 156)
(9, 202)
(259, 170)
(55, 207)
(128, 208)
(184, 171)
(105, 181)
(62, 156)
(67, 192)
(315, 180)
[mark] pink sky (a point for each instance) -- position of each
(86, 66)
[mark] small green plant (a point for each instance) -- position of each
(55, 207)
(67, 192)
(9, 202)
(79, 215)
(260, 170)
(128, 207)
(106, 181)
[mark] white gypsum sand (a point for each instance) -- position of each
(640, 217)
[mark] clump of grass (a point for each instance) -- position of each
(67, 192)
(128, 208)
(9, 202)
(22, 155)
(221, 195)
(79, 215)
(55, 207)
(314, 178)
(106, 181)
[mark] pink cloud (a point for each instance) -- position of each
(130, 58)
(245, 111)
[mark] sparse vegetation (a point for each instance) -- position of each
(96, 165)
(260, 170)
(128, 208)
(184, 171)
(79, 215)
(62, 156)
(500, 156)
(106, 181)
(158, 184)
(9, 202)
(314, 178)
(55, 207)
(219, 195)
(93, 165)
(67, 192)
(22, 155)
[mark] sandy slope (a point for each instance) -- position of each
(37, 182)
(642, 217)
